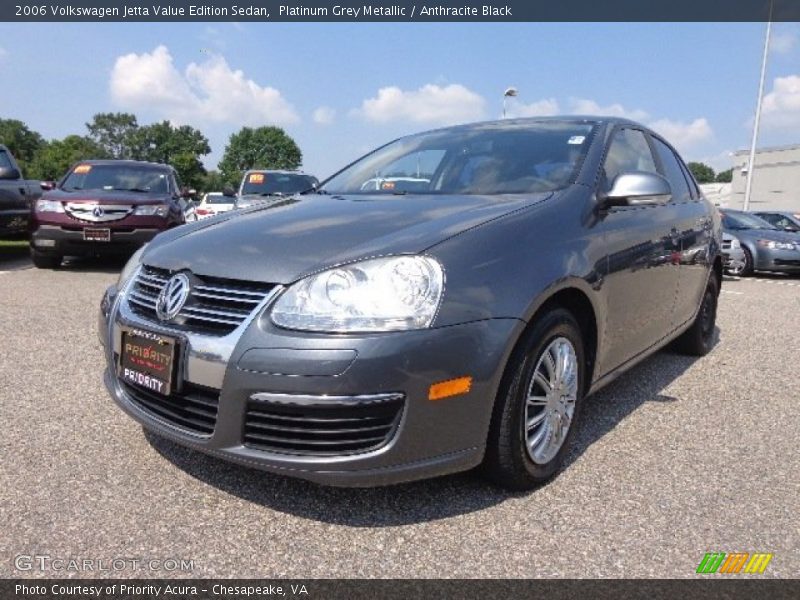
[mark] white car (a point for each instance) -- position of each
(214, 203)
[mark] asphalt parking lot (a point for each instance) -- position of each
(675, 459)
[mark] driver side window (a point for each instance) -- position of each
(629, 151)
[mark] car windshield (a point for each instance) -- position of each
(144, 179)
(264, 183)
(496, 158)
(744, 221)
(218, 199)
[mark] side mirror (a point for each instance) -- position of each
(638, 188)
(228, 191)
(9, 173)
(47, 185)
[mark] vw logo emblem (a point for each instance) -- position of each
(172, 297)
(98, 212)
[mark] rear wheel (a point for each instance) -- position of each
(45, 261)
(699, 338)
(538, 404)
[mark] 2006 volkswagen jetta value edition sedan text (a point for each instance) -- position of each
(358, 337)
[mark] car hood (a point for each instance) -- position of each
(106, 197)
(773, 235)
(284, 240)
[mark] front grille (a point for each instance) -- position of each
(194, 408)
(216, 306)
(97, 213)
(321, 430)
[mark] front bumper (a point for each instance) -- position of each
(429, 438)
(787, 261)
(60, 240)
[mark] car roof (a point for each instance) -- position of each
(125, 163)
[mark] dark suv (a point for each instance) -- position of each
(105, 207)
(371, 333)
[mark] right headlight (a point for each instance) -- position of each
(44, 205)
(130, 267)
(382, 294)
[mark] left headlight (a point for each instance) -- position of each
(149, 210)
(130, 267)
(44, 205)
(383, 294)
(776, 245)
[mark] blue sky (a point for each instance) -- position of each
(341, 89)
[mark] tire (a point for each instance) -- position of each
(508, 461)
(699, 338)
(747, 269)
(45, 261)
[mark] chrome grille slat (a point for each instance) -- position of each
(215, 306)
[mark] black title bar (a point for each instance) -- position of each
(400, 11)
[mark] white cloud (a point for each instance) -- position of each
(781, 106)
(431, 103)
(584, 106)
(324, 115)
(783, 43)
(683, 135)
(208, 91)
(545, 107)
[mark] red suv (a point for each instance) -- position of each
(106, 207)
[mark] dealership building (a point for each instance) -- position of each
(776, 180)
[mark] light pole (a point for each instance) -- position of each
(751, 166)
(511, 92)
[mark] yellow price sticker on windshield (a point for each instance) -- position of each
(256, 178)
(83, 169)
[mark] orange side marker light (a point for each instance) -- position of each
(451, 387)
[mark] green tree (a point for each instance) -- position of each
(213, 181)
(114, 133)
(21, 141)
(180, 147)
(55, 158)
(725, 176)
(259, 148)
(702, 172)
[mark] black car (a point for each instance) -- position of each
(766, 248)
(456, 317)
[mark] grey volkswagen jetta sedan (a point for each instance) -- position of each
(455, 317)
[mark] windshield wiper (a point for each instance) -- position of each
(134, 189)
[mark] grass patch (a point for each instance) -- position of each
(13, 245)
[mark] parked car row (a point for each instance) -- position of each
(761, 241)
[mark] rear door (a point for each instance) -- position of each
(641, 278)
(694, 229)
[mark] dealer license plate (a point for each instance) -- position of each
(148, 360)
(97, 234)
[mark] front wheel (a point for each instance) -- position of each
(45, 261)
(745, 268)
(538, 404)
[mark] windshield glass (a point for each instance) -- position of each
(278, 184)
(744, 221)
(151, 180)
(218, 199)
(496, 158)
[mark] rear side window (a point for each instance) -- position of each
(629, 151)
(673, 172)
(5, 162)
